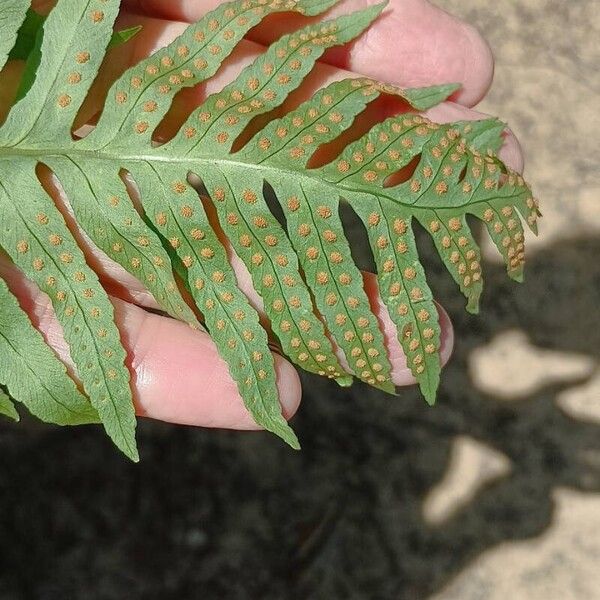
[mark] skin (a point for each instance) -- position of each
(177, 375)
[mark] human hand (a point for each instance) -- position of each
(177, 375)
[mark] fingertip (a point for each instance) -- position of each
(511, 152)
(401, 374)
(447, 338)
(179, 377)
(478, 69)
(290, 388)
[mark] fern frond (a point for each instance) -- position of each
(37, 239)
(103, 209)
(149, 208)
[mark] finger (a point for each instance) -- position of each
(401, 374)
(125, 286)
(413, 43)
(177, 374)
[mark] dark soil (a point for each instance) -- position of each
(209, 514)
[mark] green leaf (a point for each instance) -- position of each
(31, 372)
(404, 289)
(261, 243)
(424, 98)
(337, 283)
(231, 320)
(105, 211)
(73, 46)
(37, 239)
(243, 180)
(7, 408)
(262, 87)
(33, 56)
(485, 135)
(33, 24)
(123, 36)
(321, 120)
(141, 97)
(29, 44)
(26, 37)
(12, 15)
(458, 249)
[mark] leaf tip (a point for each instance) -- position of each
(364, 17)
(131, 452)
(13, 416)
(379, 7)
(126, 445)
(534, 228)
(430, 398)
(280, 427)
(312, 8)
(123, 36)
(346, 381)
(517, 275)
(290, 438)
(429, 385)
(388, 387)
(473, 305)
(428, 97)
(472, 309)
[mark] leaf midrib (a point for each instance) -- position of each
(122, 158)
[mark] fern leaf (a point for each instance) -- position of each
(28, 47)
(326, 116)
(141, 204)
(7, 408)
(40, 244)
(32, 27)
(140, 98)
(336, 282)
(105, 211)
(448, 176)
(32, 374)
(228, 314)
(262, 87)
(76, 34)
(485, 136)
(458, 250)
(262, 244)
(404, 289)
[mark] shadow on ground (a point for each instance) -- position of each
(224, 515)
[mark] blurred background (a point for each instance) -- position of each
(494, 493)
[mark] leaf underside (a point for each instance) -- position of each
(221, 165)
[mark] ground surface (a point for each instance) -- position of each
(493, 494)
